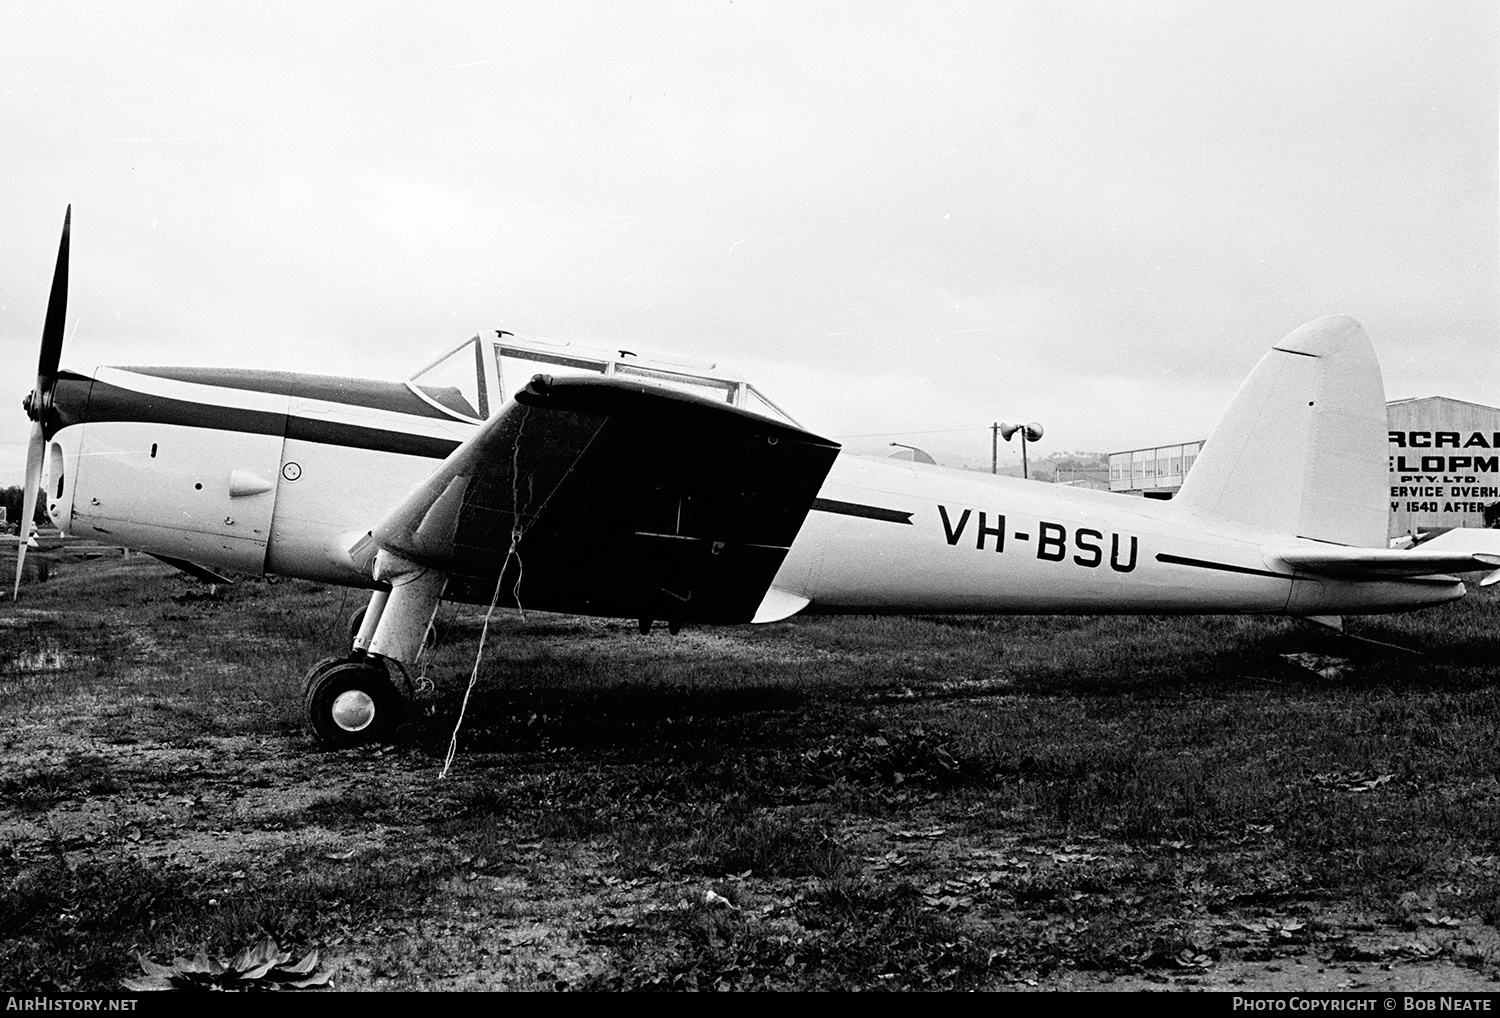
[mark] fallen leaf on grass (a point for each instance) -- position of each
(948, 902)
(1352, 781)
(715, 900)
(926, 832)
(1320, 664)
(1075, 857)
(1416, 950)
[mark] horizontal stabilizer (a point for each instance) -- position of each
(1481, 542)
(1387, 563)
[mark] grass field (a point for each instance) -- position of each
(825, 803)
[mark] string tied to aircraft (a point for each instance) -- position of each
(518, 472)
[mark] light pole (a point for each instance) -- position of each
(1032, 431)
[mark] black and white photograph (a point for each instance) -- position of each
(735, 495)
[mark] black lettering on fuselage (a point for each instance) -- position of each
(1096, 552)
(998, 530)
(1051, 542)
(953, 535)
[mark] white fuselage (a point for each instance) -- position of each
(980, 543)
(287, 481)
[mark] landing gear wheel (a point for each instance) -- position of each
(317, 669)
(351, 702)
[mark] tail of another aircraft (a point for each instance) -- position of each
(1302, 448)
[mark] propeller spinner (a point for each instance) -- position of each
(40, 400)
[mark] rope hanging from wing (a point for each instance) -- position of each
(517, 531)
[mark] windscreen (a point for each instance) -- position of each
(714, 388)
(517, 367)
(456, 382)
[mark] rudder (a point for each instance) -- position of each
(1301, 449)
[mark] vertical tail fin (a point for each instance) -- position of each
(1302, 448)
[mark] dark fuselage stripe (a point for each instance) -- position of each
(1393, 578)
(355, 437)
(108, 402)
(1178, 560)
(394, 397)
(114, 403)
(869, 512)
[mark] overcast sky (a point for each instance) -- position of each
(904, 221)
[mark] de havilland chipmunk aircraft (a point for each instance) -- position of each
(560, 479)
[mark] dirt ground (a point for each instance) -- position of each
(230, 796)
(175, 794)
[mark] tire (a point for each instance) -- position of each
(351, 703)
(321, 666)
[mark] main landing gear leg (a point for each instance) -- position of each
(351, 701)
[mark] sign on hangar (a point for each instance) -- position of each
(1444, 463)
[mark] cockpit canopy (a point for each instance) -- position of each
(478, 377)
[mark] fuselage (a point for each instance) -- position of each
(282, 473)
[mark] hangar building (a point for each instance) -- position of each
(1444, 465)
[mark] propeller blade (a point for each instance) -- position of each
(57, 313)
(46, 376)
(34, 451)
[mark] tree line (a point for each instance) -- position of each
(13, 499)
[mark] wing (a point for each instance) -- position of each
(1391, 563)
(603, 497)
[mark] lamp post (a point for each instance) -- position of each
(1032, 431)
